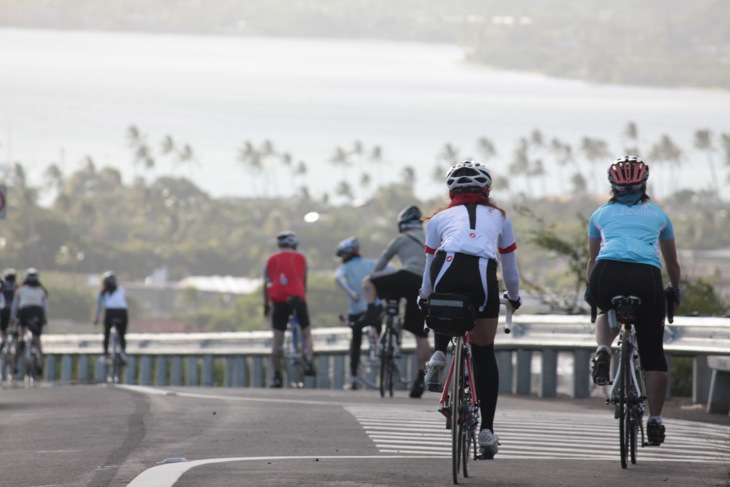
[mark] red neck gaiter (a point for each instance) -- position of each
(467, 198)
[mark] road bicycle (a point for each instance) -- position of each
(116, 360)
(453, 314)
(369, 366)
(298, 368)
(389, 344)
(32, 364)
(627, 393)
(10, 356)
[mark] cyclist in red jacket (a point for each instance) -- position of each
(285, 278)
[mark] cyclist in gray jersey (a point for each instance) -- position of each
(402, 283)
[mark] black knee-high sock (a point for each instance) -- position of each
(486, 375)
(441, 342)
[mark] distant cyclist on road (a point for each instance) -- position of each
(285, 288)
(6, 300)
(113, 298)
(402, 283)
(626, 237)
(30, 308)
(463, 242)
(349, 276)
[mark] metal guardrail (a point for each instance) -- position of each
(191, 358)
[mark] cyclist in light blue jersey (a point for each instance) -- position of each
(625, 239)
(349, 276)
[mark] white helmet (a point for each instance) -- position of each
(468, 174)
(348, 246)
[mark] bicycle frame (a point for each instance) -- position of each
(389, 349)
(627, 392)
(462, 410)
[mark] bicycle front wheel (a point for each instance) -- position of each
(457, 425)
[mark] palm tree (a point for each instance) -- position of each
(376, 157)
(250, 158)
(344, 189)
(563, 154)
(579, 183)
(53, 179)
(667, 151)
(704, 142)
(521, 163)
(408, 177)
(486, 148)
(594, 150)
(631, 142)
(341, 158)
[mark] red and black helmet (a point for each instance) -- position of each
(628, 173)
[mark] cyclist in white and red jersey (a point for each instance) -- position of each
(625, 239)
(285, 291)
(30, 307)
(463, 242)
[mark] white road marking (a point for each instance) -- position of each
(541, 435)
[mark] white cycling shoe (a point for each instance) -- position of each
(489, 444)
(435, 368)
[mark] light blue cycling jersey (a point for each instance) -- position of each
(349, 276)
(630, 233)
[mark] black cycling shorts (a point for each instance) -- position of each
(33, 318)
(463, 277)
(281, 311)
(611, 278)
(402, 284)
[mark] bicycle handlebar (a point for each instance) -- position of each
(508, 314)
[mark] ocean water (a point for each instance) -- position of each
(65, 95)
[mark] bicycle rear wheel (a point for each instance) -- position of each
(457, 424)
(624, 414)
(387, 358)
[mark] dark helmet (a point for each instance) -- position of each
(32, 275)
(348, 246)
(287, 239)
(628, 173)
(109, 278)
(9, 275)
(409, 217)
(467, 175)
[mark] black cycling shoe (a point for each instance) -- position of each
(655, 433)
(419, 386)
(602, 368)
(277, 383)
(309, 369)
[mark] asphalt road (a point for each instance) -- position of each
(99, 435)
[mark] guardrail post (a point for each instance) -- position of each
(67, 369)
(524, 372)
(258, 371)
(191, 371)
(50, 366)
(230, 371)
(506, 370)
(549, 379)
(161, 370)
(581, 360)
(99, 370)
(145, 372)
(131, 370)
(208, 364)
(323, 371)
(240, 369)
(338, 374)
(176, 378)
(83, 372)
(701, 376)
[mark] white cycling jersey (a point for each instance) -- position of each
(450, 231)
